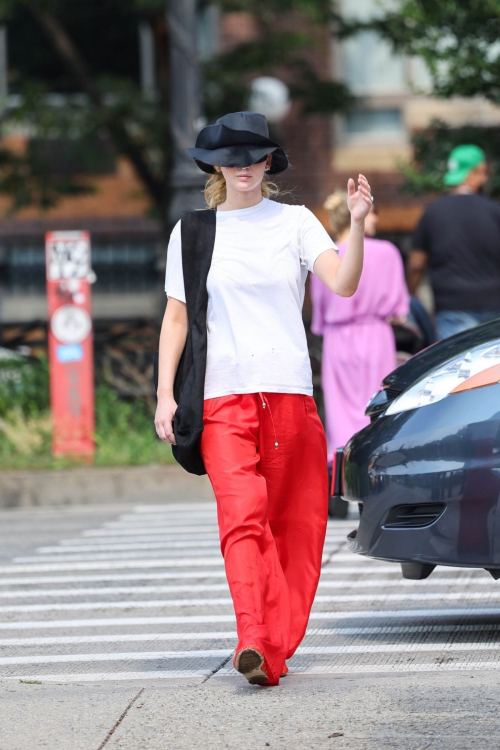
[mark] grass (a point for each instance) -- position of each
(125, 433)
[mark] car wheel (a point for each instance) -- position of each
(415, 571)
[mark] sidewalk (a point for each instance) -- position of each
(84, 486)
(391, 712)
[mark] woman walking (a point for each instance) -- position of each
(263, 445)
(358, 342)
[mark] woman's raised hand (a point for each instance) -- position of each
(359, 201)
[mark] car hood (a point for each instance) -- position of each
(436, 355)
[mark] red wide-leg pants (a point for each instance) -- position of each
(265, 455)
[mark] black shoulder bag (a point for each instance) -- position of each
(198, 237)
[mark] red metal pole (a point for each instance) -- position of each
(69, 278)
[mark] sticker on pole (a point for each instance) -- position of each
(70, 324)
(68, 256)
(69, 353)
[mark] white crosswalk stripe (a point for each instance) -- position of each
(231, 635)
(224, 653)
(204, 588)
(146, 545)
(226, 601)
(183, 527)
(118, 638)
(216, 572)
(158, 562)
(193, 620)
(146, 595)
(114, 546)
(148, 532)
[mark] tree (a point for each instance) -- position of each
(288, 32)
(112, 107)
(458, 41)
(103, 103)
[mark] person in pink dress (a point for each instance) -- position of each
(358, 342)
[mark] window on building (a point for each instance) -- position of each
(119, 266)
(368, 64)
(376, 75)
(370, 68)
(375, 122)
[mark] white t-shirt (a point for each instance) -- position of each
(256, 286)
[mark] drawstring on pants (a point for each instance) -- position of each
(264, 404)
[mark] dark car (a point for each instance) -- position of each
(426, 470)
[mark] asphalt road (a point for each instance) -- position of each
(117, 630)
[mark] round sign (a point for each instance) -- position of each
(70, 324)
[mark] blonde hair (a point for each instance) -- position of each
(338, 212)
(215, 190)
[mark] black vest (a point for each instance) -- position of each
(198, 237)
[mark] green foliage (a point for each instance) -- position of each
(34, 178)
(24, 412)
(227, 76)
(125, 433)
(27, 177)
(432, 148)
(320, 96)
(24, 385)
(277, 49)
(87, 49)
(457, 40)
(105, 31)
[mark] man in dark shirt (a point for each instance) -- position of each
(458, 239)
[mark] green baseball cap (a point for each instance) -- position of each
(462, 159)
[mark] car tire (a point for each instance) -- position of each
(416, 571)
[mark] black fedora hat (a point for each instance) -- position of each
(238, 139)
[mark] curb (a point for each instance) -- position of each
(87, 486)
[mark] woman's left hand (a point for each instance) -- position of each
(359, 201)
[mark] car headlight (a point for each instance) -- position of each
(473, 369)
